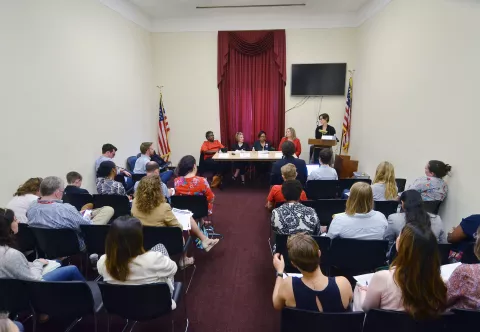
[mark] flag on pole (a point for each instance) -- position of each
(347, 118)
(163, 131)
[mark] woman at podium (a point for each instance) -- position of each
(322, 129)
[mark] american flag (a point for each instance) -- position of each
(163, 131)
(347, 118)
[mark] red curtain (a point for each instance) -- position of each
(251, 84)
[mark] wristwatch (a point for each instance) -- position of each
(279, 274)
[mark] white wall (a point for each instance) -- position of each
(74, 75)
(186, 64)
(415, 94)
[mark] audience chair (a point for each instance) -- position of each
(466, 320)
(94, 237)
(131, 163)
(399, 321)
(119, 203)
(295, 320)
(138, 303)
(66, 299)
(25, 239)
(56, 243)
(401, 184)
(444, 249)
(350, 257)
(346, 184)
(137, 177)
(326, 208)
(77, 200)
(386, 207)
(432, 206)
(322, 189)
(468, 256)
(14, 297)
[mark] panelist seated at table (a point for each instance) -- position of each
(288, 150)
(261, 144)
(209, 148)
(322, 129)
(240, 166)
(291, 136)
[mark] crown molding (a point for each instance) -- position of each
(246, 22)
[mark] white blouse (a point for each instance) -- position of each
(20, 204)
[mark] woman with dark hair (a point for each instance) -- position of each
(413, 283)
(432, 186)
(188, 183)
(13, 263)
(323, 128)
(126, 261)
(24, 196)
(240, 166)
(261, 144)
(106, 184)
(413, 212)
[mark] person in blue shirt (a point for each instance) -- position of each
(463, 234)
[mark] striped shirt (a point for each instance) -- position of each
(57, 215)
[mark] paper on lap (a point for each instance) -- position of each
(183, 217)
(52, 265)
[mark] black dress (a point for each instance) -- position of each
(318, 135)
(241, 165)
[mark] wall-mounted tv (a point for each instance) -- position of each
(318, 79)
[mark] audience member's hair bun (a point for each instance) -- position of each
(448, 168)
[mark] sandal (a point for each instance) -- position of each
(186, 262)
(208, 245)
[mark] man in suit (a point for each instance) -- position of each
(288, 150)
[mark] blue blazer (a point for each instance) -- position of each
(276, 176)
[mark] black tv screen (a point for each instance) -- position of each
(318, 79)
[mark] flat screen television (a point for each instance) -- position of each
(318, 79)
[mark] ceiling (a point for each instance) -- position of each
(183, 15)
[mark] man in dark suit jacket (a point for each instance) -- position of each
(288, 150)
(74, 181)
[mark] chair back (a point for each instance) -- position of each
(466, 319)
(399, 321)
(61, 298)
(170, 237)
(326, 208)
(24, 238)
(137, 177)
(444, 249)
(131, 163)
(14, 298)
(386, 207)
(348, 183)
(77, 200)
(351, 257)
(401, 184)
(432, 206)
(56, 243)
(322, 189)
(197, 204)
(94, 237)
(295, 320)
(119, 203)
(136, 302)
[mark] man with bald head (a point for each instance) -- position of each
(152, 168)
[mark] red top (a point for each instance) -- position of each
(196, 185)
(276, 196)
(207, 145)
(296, 142)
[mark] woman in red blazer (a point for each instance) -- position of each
(291, 136)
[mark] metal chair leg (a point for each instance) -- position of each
(191, 278)
(133, 325)
(73, 324)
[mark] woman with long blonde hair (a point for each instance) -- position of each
(290, 135)
(384, 186)
(359, 221)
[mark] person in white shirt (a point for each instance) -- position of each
(25, 195)
(324, 172)
(359, 221)
(126, 261)
(147, 150)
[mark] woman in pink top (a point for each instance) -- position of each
(413, 282)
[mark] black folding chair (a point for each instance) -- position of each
(326, 208)
(444, 249)
(119, 203)
(14, 297)
(56, 243)
(432, 206)
(295, 320)
(25, 239)
(137, 177)
(466, 319)
(322, 189)
(77, 200)
(70, 299)
(386, 207)
(399, 321)
(401, 184)
(138, 303)
(348, 183)
(350, 257)
(94, 237)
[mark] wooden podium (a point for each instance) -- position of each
(345, 166)
(322, 143)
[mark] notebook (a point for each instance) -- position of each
(52, 265)
(183, 217)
